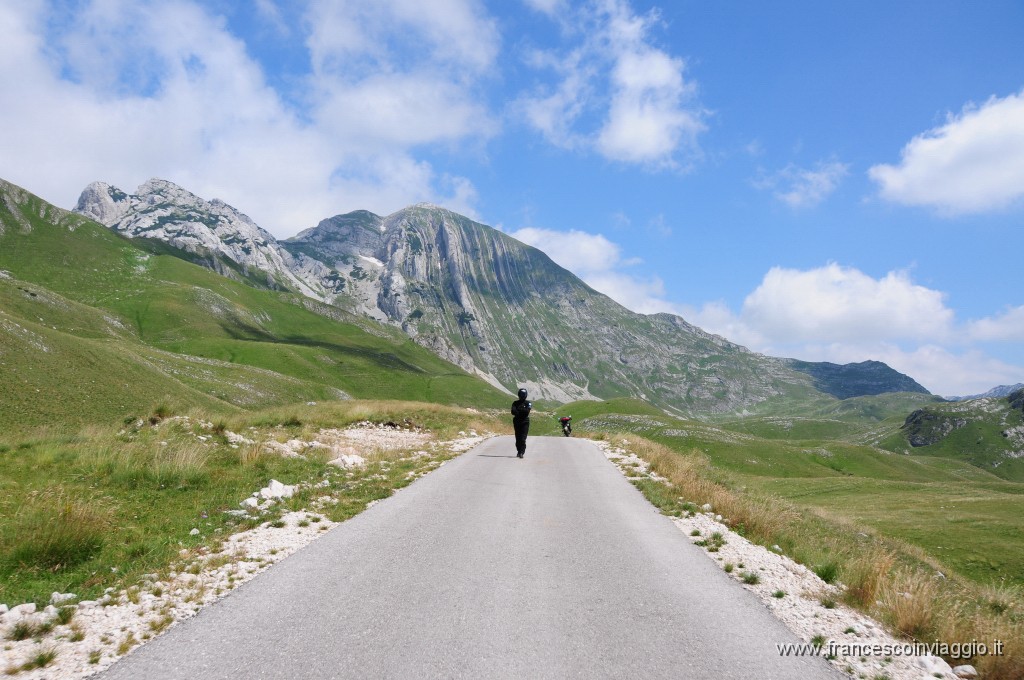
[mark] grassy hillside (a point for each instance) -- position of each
(962, 516)
(96, 328)
(987, 433)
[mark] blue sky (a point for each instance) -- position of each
(829, 181)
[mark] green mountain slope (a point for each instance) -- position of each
(987, 433)
(98, 326)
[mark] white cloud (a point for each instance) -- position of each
(578, 251)
(393, 35)
(122, 91)
(805, 188)
(1008, 326)
(972, 164)
(842, 315)
(836, 304)
(616, 93)
(550, 7)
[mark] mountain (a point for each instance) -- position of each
(96, 327)
(1000, 391)
(489, 304)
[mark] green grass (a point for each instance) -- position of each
(96, 329)
(99, 507)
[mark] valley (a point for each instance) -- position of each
(176, 307)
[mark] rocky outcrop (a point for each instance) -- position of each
(211, 230)
(1016, 399)
(924, 427)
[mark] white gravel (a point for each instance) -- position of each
(102, 631)
(801, 608)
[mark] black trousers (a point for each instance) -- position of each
(522, 429)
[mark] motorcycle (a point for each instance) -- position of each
(566, 427)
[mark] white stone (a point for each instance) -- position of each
(933, 665)
(706, 507)
(277, 490)
(59, 598)
(194, 532)
(24, 609)
(250, 502)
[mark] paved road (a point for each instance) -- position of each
(552, 566)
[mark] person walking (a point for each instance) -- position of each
(521, 422)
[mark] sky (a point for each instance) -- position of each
(826, 181)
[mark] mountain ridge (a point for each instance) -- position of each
(483, 301)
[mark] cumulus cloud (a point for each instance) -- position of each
(974, 163)
(805, 188)
(829, 313)
(121, 91)
(836, 303)
(840, 314)
(615, 92)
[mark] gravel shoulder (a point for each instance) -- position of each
(795, 595)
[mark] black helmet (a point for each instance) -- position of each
(522, 393)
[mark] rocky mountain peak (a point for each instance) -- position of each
(212, 230)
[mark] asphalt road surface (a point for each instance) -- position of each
(552, 566)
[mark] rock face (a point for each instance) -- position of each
(924, 427)
(211, 230)
(483, 301)
(1016, 399)
(480, 298)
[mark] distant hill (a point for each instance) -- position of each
(487, 303)
(857, 380)
(1000, 391)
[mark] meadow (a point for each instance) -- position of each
(97, 507)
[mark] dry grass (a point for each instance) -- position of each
(249, 454)
(759, 518)
(892, 580)
(909, 602)
(864, 575)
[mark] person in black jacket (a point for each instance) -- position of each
(521, 422)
